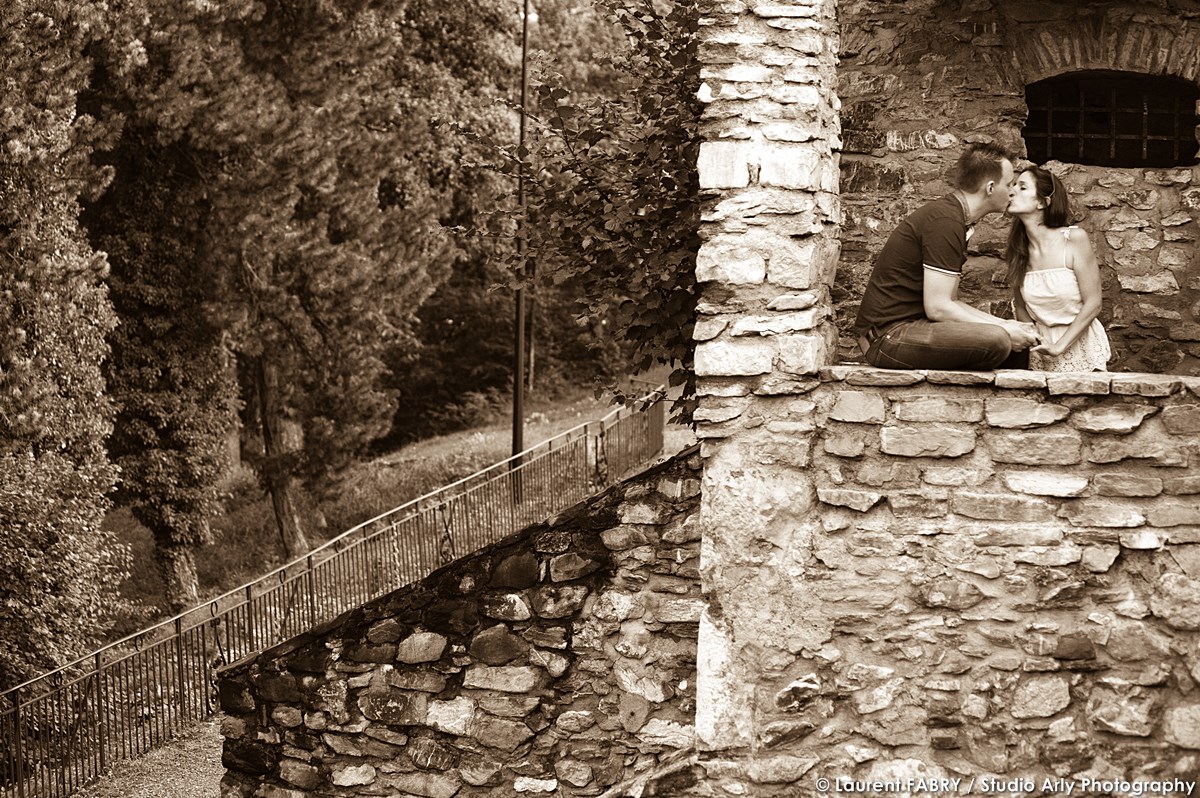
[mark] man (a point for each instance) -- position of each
(911, 316)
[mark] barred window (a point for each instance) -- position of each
(1118, 119)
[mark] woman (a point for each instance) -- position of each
(1054, 275)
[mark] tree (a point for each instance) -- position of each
(613, 195)
(170, 373)
(59, 571)
(320, 183)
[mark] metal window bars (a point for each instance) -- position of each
(63, 729)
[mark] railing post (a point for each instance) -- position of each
(250, 631)
(20, 743)
(182, 682)
(311, 579)
(206, 670)
(102, 714)
(601, 469)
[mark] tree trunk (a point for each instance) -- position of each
(277, 474)
(177, 565)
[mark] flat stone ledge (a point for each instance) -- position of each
(1081, 383)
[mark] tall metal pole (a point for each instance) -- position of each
(518, 430)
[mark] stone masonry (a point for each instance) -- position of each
(912, 574)
(558, 662)
(920, 78)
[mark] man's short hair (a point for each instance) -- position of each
(978, 164)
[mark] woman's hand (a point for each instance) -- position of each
(1050, 349)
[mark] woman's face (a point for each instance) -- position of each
(1022, 197)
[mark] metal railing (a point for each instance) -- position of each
(65, 728)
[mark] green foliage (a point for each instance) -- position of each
(58, 571)
(315, 189)
(169, 373)
(613, 195)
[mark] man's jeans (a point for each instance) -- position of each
(944, 346)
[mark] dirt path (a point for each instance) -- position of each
(187, 767)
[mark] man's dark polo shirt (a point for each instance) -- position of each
(934, 235)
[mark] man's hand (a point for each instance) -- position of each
(1023, 335)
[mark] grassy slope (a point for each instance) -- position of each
(245, 541)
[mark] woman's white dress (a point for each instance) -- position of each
(1053, 301)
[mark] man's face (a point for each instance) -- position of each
(998, 199)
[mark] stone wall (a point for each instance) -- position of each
(954, 575)
(559, 661)
(920, 78)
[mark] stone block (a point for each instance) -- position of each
(301, 774)
(559, 601)
(1049, 557)
(725, 164)
(426, 784)
(780, 10)
(778, 324)
(860, 500)
(800, 354)
(937, 408)
(505, 607)
(794, 301)
(1182, 486)
(1042, 447)
(1157, 450)
(1018, 378)
(1168, 512)
(1018, 535)
(452, 717)
(1092, 513)
(352, 775)
(792, 166)
(1079, 383)
(517, 571)
(860, 375)
(1162, 283)
(801, 262)
(845, 442)
(859, 407)
(743, 357)
(534, 786)
(505, 678)
(1143, 539)
(1127, 710)
(1012, 413)
(1182, 419)
(1041, 697)
(421, 647)
(1176, 599)
(394, 707)
(959, 377)
(956, 476)
(496, 645)
(927, 441)
(1099, 559)
(916, 505)
(1000, 507)
(1120, 483)
(1112, 419)
(730, 262)
(1144, 384)
(1046, 483)
(1181, 725)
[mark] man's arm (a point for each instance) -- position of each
(940, 295)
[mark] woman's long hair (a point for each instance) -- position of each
(1056, 213)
